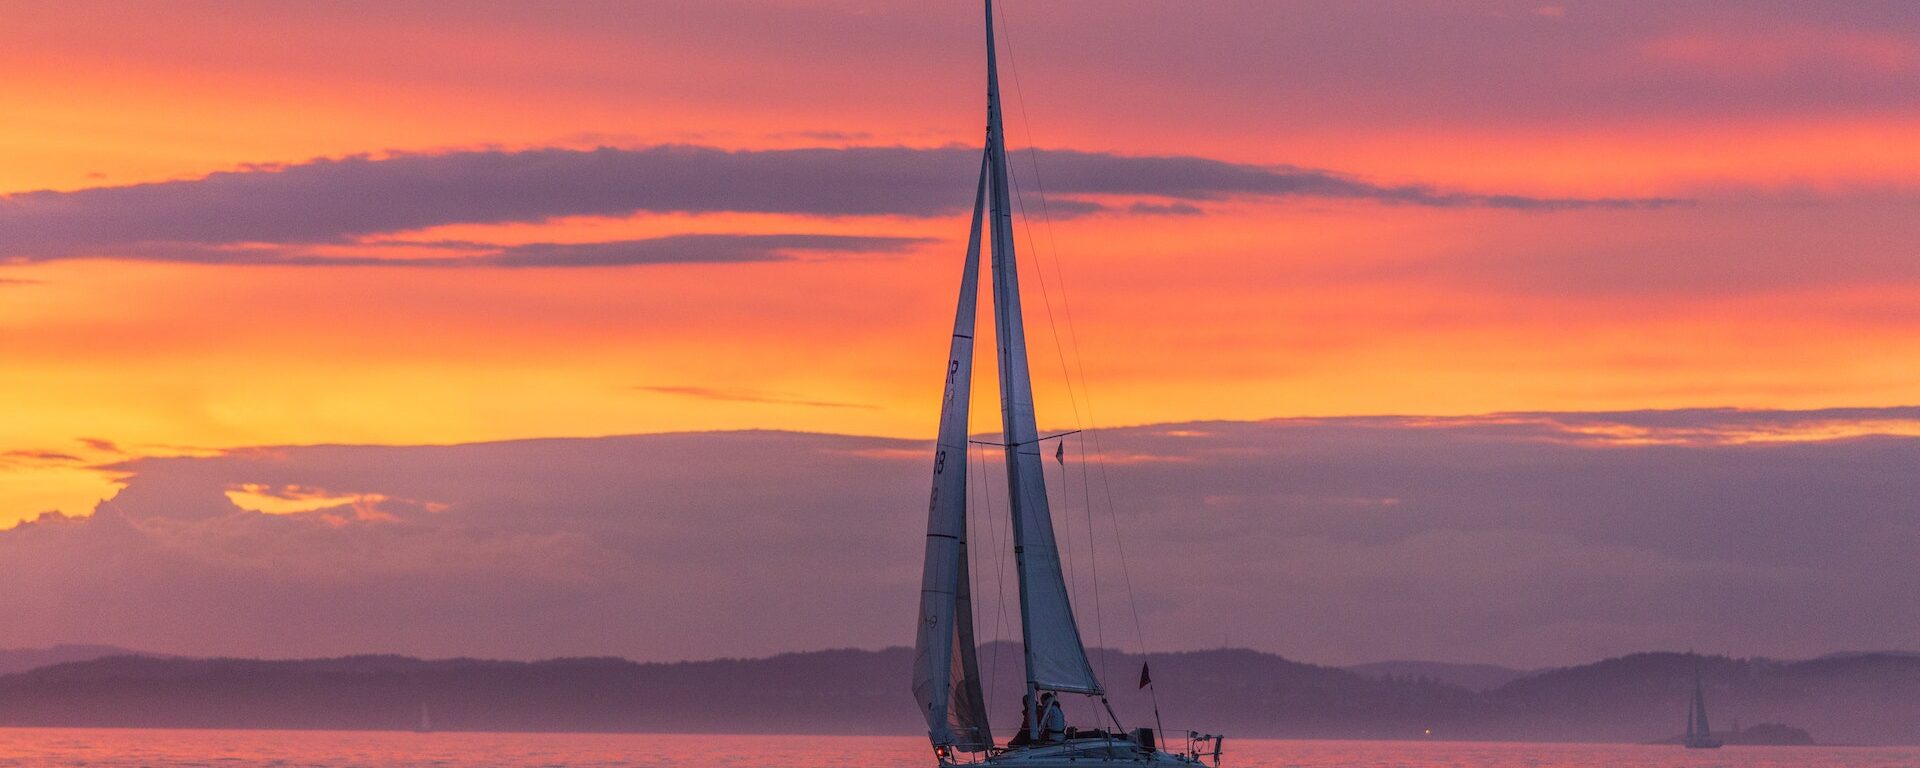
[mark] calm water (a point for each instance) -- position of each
(293, 749)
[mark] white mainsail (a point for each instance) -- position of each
(946, 676)
(1056, 660)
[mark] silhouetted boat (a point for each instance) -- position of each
(1699, 735)
(946, 680)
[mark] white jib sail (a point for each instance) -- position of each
(946, 675)
(1056, 660)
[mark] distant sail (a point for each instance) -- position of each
(1699, 733)
(946, 676)
(1691, 732)
(1700, 707)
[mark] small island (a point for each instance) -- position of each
(1761, 735)
(1771, 735)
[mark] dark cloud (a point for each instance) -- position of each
(690, 249)
(100, 444)
(1526, 539)
(40, 457)
(722, 248)
(1198, 178)
(254, 209)
(1165, 209)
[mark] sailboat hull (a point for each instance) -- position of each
(1113, 752)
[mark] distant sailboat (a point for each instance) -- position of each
(946, 680)
(1699, 735)
(426, 720)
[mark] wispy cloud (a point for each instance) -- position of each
(100, 444)
(1165, 209)
(747, 396)
(40, 457)
(1199, 178)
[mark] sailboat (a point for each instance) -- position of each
(1699, 735)
(946, 678)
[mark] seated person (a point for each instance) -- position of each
(1021, 737)
(1053, 720)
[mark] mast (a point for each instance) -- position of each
(1055, 657)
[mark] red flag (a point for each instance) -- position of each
(1145, 679)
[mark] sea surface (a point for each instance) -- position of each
(339, 749)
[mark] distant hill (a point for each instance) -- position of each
(22, 659)
(1473, 677)
(1867, 698)
(845, 691)
(1860, 698)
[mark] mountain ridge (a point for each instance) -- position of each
(1844, 698)
(23, 659)
(1473, 677)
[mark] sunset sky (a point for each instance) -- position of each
(227, 228)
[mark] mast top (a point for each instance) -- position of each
(993, 80)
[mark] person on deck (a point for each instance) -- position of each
(1020, 737)
(1053, 720)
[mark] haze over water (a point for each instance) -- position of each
(342, 749)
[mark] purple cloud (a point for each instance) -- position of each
(1524, 539)
(720, 248)
(224, 216)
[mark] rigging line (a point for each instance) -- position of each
(1099, 619)
(1091, 425)
(1067, 521)
(999, 576)
(1034, 441)
(1033, 157)
(973, 555)
(1026, 222)
(1068, 518)
(1033, 247)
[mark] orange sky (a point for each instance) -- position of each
(1785, 279)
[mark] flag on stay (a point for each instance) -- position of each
(1145, 679)
(1060, 453)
